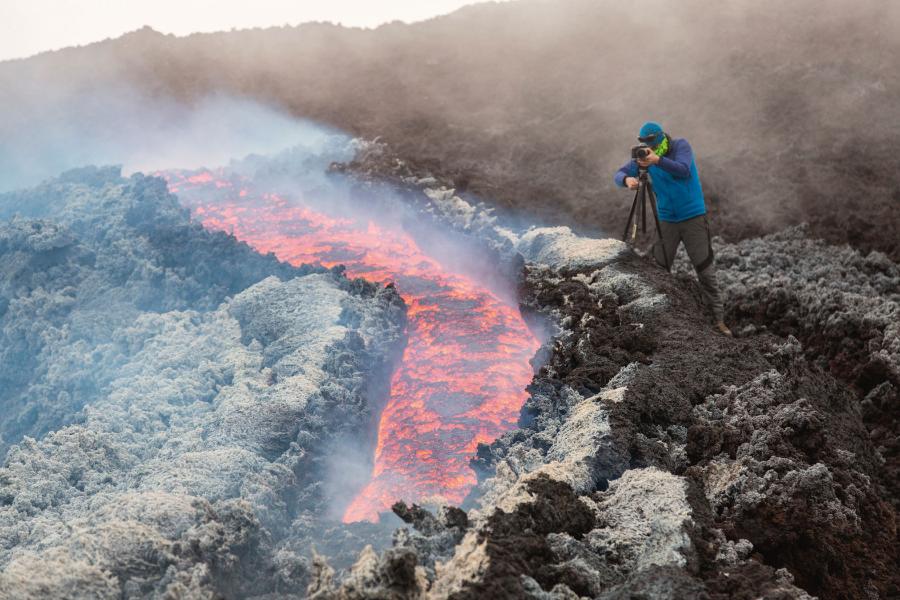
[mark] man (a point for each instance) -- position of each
(682, 209)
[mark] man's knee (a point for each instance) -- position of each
(706, 269)
(707, 264)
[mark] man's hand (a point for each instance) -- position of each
(632, 183)
(651, 159)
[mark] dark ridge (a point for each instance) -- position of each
(790, 107)
(813, 496)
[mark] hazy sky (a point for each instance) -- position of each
(31, 26)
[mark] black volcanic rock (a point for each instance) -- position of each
(683, 463)
(842, 307)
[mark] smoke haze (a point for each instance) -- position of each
(119, 125)
(790, 107)
(152, 360)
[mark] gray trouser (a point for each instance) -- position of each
(698, 243)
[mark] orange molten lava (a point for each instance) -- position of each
(462, 377)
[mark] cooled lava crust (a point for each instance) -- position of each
(760, 466)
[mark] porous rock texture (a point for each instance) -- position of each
(656, 458)
(845, 309)
(168, 396)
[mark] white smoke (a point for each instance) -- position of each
(124, 127)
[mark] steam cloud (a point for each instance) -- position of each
(121, 125)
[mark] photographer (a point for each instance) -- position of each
(682, 210)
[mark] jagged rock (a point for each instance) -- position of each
(434, 536)
(645, 514)
(790, 466)
(679, 463)
(392, 575)
(90, 253)
(206, 412)
(842, 305)
(560, 247)
(653, 457)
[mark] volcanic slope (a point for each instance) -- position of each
(656, 459)
(790, 106)
(168, 395)
(652, 457)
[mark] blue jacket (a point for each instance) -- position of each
(675, 180)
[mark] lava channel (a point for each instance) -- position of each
(462, 377)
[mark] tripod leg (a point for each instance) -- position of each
(631, 216)
(662, 242)
(643, 191)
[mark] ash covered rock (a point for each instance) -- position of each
(786, 463)
(844, 306)
(840, 443)
(809, 440)
(817, 442)
(202, 413)
(88, 254)
(657, 459)
(558, 246)
(841, 307)
(433, 536)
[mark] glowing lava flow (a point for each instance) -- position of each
(465, 367)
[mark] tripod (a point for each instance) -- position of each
(641, 196)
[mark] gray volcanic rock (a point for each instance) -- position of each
(199, 435)
(845, 309)
(83, 256)
(656, 458)
(843, 305)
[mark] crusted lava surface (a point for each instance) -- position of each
(171, 397)
(653, 458)
(656, 458)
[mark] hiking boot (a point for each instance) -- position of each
(723, 329)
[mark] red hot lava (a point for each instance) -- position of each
(462, 377)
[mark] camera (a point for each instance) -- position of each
(640, 151)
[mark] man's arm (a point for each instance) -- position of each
(677, 162)
(629, 169)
